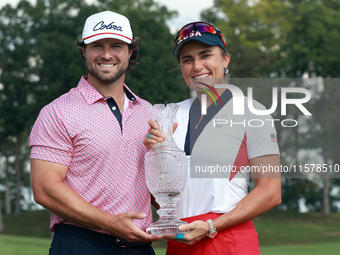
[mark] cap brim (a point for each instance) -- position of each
(201, 39)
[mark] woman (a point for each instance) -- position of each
(218, 207)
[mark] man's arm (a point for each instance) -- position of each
(50, 191)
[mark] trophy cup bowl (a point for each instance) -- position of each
(165, 170)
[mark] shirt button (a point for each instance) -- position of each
(114, 108)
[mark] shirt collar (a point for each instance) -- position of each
(92, 95)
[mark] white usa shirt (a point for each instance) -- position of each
(225, 145)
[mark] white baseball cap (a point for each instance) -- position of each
(107, 24)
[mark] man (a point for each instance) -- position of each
(87, 153)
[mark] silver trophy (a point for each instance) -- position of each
(165, 169)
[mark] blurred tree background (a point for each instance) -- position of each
(265, 39)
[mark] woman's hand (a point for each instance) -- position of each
(155, 136)
(198, 230)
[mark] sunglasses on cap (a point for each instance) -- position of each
(201, 27)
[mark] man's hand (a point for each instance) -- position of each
(122, 226)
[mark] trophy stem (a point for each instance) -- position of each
(168, 222)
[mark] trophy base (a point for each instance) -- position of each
(166, 228)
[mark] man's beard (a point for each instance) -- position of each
(102, 78)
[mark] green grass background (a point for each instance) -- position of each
(280, 233)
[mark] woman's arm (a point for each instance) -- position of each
(265, 196)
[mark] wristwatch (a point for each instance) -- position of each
(212, 230)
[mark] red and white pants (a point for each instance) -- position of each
(239, 240)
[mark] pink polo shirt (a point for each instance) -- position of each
(106, 163)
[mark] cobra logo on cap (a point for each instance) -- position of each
(101, 26)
